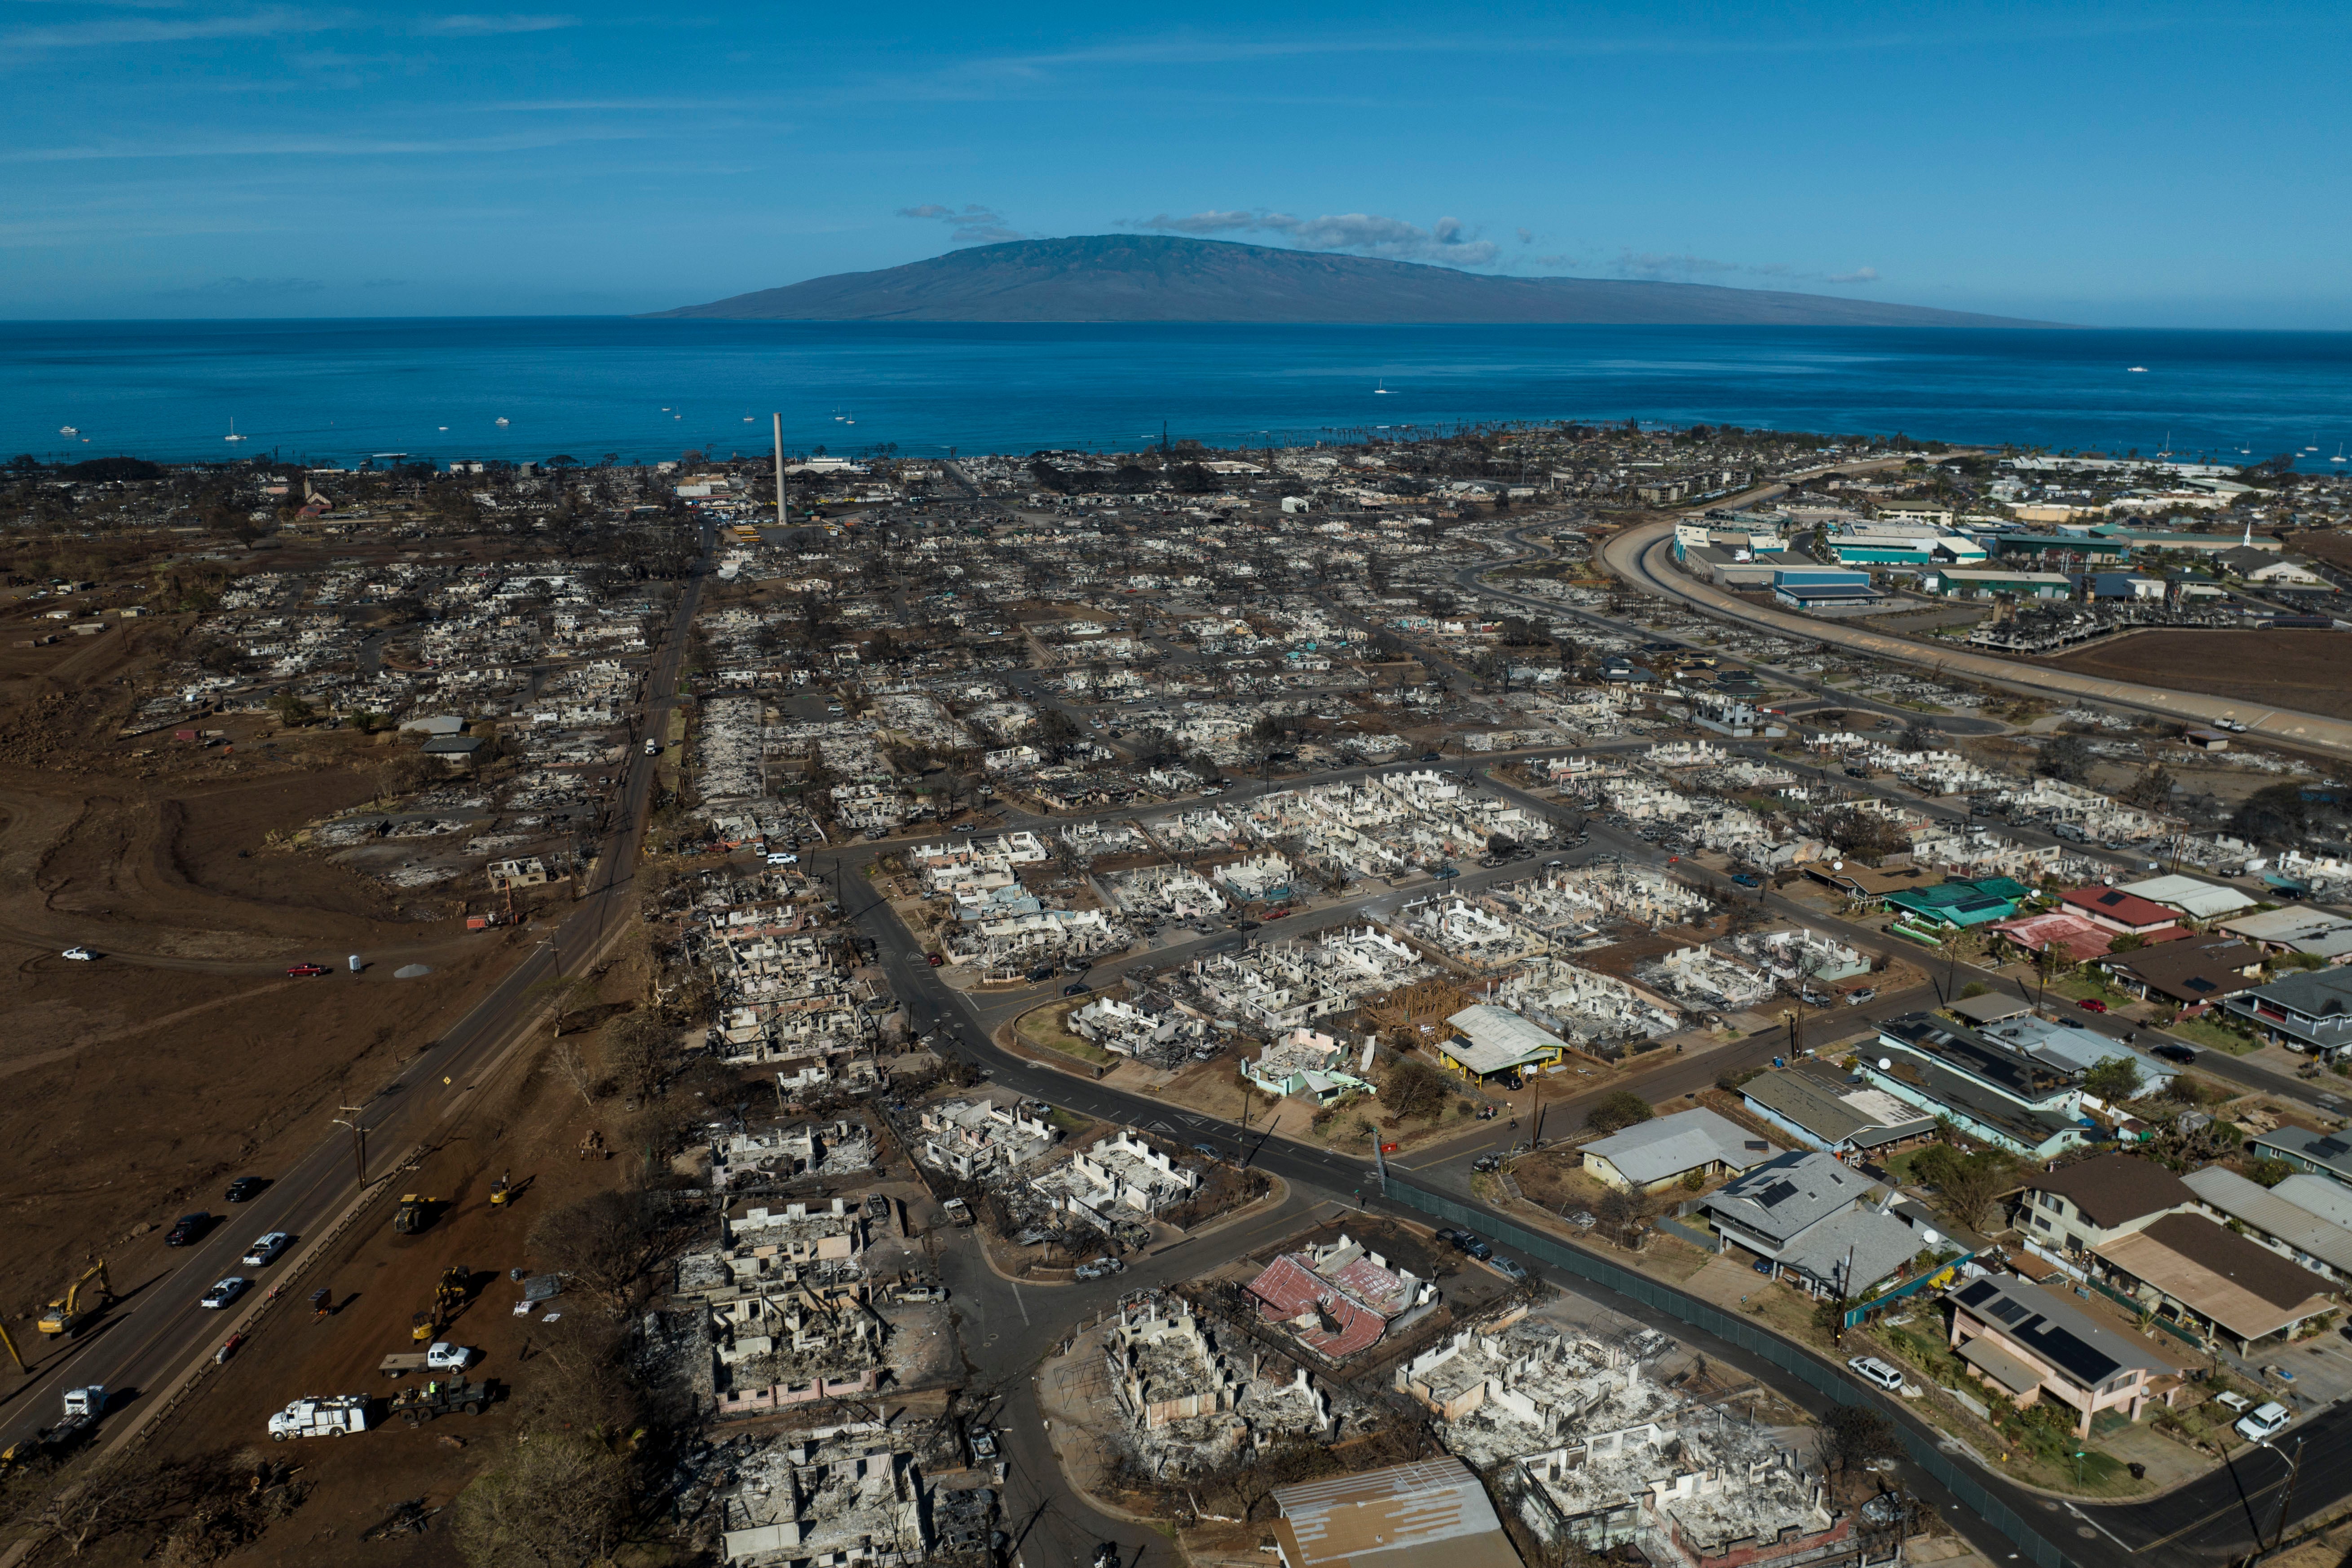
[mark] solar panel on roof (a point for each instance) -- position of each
(1777, 1193)
(2331, 1146)
(2091, 1365)
(2007, 1310)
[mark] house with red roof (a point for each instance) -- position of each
(2127, 914)
(1338, 1299)
(2058, 931)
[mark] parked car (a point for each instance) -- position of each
(1204, 1148)
(1872, 1370)
(2173, 1052)
(1077, 988)
(2263, 1421)
(1476, 1246)
(1583, 1219)
(227, 1290)
(1762, 1266)
(307, 971)
(1745, 880)
(1488, 1162)
(79, 954)
(984, 1443)
(1866, 993)
(245, 1187)
(1448, 1236)
(188, 1228)
(266, 1248)
(1512, 1268)
(2092, 1004)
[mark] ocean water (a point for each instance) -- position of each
(335, 391)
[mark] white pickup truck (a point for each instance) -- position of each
(328, 1416)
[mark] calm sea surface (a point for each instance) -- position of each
(335, 391)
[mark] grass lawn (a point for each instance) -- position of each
(2205, 1032)
(1047, 1029)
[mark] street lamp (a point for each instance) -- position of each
(2286, 1493)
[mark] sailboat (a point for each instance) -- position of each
(1379, 389)
(232, 435)
(2136, 369)
(2339, 453)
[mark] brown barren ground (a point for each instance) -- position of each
(2310, 671)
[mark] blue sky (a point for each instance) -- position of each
(2141, 164)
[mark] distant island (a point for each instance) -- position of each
(1152, 278)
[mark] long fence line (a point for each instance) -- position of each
(1748, 1337)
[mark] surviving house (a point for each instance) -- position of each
(1993, 1091)
(2192, 1271)
(2309, 1011)
(1651, 1156)
(1810, 1216)
(2033, 1343)
(2078, 1208)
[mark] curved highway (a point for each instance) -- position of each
(1635, 556)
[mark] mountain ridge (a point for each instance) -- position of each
(1160, 277)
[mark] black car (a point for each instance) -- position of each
(1476, 1247)
(1079, 989)
(187, 1228)
(2172, 1051)
(245, 1187)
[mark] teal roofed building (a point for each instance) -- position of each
(1961, 904)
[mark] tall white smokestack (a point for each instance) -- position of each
(780, 471)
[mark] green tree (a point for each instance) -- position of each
(2116, 1079)
(1616, 1112)
(1966, 1183)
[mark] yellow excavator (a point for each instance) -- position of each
(68, 1313)
(449, 1296)
(501, 1192)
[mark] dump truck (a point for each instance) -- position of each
(323, 1415)
(418, 1405)
(82, 1408)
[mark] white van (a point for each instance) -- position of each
(1872, 1370)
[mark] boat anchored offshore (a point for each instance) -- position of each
(232, 435)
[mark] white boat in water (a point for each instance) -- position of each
(502, 419)
(68, 430)
(232, 435)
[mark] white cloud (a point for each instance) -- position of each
(1859, 275)
(969, 224)
(1447, 241)
(482, 26)
(245, 288)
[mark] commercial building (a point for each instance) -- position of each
(1432, 1513)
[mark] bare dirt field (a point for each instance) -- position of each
(133, 1086)
(2307, 671)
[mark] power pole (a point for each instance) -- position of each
(359, 1139)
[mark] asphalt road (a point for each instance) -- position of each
(141, 1344)
(2212, 1521)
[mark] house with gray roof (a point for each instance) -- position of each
(2032, 1344)
(1819, 1109)
(2327, 1154)
(2310, 1011)
(1653, 1155)
(1810, 1216)
(2262, 1216)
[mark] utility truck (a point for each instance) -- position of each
(324, 1416)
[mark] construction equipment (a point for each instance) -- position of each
(83, 1406)
(70, 1312)
(422, 1326)
(322, 1305)
(13, 1354)
(501, 1191)
(416, 1212)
